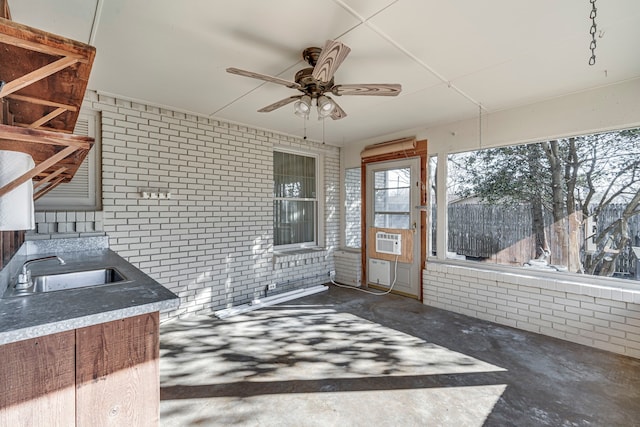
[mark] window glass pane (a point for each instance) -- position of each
(353, 213)
(433, 218)
(568, 205)
(294, 176)
(294, 222)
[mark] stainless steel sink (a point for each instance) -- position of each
(71, 280)
(76, 279)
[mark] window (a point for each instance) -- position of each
(352, 207)
(392, 195)
(295, 204)
(84, 192)
(568, 205)
(433, 203)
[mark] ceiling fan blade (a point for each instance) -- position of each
(266, 78)
(279, 104)
(367, 89)
(329, 60)
(338, 113)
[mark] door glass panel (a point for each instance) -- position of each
(392, 198)
(392, 221)
(392, 178)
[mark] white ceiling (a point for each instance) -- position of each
(451, 57)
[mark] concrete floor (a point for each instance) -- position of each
(345, 358)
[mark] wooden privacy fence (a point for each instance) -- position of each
(626, 262)
(503, 234)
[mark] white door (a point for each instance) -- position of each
(392, 197)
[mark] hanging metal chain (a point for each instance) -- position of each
(592, 31)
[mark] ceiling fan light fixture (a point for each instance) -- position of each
(315, 81)
(325, 106)
(302, 107)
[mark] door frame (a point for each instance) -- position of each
(396, 150)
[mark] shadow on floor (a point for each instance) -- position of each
(346, 358)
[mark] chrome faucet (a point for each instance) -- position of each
(24, 278)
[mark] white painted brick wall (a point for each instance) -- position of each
(67, 224)
(212, 242)
(597, 316)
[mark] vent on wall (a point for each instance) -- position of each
(388, 243)
(84, 190)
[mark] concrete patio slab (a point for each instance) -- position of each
(347, 358)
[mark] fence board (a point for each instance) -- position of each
(503, 234)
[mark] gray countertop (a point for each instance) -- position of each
(41, 314)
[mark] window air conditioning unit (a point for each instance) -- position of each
(388, 243)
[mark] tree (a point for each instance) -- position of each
(508, 176)
(612, 164)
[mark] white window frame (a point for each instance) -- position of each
(442, 234)
(70, 197)
(319, 199)
(387, 213)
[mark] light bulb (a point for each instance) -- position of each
(325, 106)
(302, 107)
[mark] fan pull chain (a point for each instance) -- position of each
(304, 119)
(323, 120)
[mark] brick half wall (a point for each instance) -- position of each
(599, 316)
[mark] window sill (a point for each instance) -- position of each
(594, 286)
(298, 254)
(298, 251)
(351, 250)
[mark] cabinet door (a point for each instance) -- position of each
(117, 373)
(37, 381)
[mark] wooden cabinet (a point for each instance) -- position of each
(117, 373)
(101, 375)
(37, 381)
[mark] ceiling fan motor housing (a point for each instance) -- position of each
(311, 86)
(311, 55)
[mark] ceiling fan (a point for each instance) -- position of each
(317, 81)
